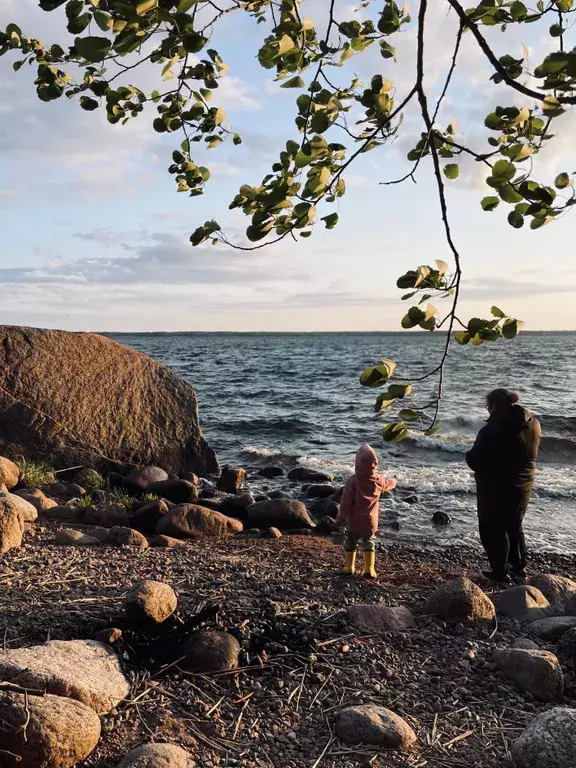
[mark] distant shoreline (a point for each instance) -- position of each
(420, 334)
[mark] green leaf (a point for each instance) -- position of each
(451, 171)
(378, 375)
(294, 82)
(301, 160)
(399, 391)
(394, 433)
(50, 5)
(509, 194)
(515, 220)
(331, 220)
(432, 430)
(88, 104)
(462, 337)
(518, 11)
(185, 5)
(497, 312)
(384, 403)
(409, 414)
(562, 181)
(556, 30)
(413, 317)
(512, 328)
(489, 203)
(503, 171)
(237, 139)
(145, 6)
(193, 42)
(92, 48)
(441, 266)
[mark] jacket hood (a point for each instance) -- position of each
(515, 418)
(366, 462)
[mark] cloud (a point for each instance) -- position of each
(494, 287)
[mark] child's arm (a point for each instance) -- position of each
(346, 502)
(388, 483)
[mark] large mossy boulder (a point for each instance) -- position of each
(83, 399)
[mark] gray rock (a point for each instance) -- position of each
(271, 533)
(231, 479)
(209, 651)
(157, 756)
(318, 491)
(280, 513)
(441, 518)
(189, 521)
(148, 516)
(167, 542)
(549, 741)
(552, 628)
(177, 491)
(68, 537)
(37, 498)
(27, 511)
(271, 472)
(107, 516)
(63, 491)
(566, 645)
(89, 478)
(523, 603)
(150, 602)
(79, 669)
(323, 507)
(45, 731)
(142, 477)
(460, 600)
(526, 644)
(370, 724)
(309, 475)
(536, 672)
(556, 589)
(380, 618)
(63, 513)
(101, 534)
(126, 537)
(11, 529)
(235, 505)
(9, 473)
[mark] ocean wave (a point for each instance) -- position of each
(561, 425)
(558, 449)
(286, 427)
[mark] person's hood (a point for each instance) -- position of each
(515, 418)
(366, 462)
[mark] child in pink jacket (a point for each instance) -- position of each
(359, 509)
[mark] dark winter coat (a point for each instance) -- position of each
(504, 454)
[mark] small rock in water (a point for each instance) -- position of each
(271, 472)
(231, 480)
(411, 499)
(318, 490)
(441, 518)
(309, 475)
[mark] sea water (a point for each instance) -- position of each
(289, 399)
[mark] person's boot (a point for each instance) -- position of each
(369, 563)
(350, 562)
(502, 579)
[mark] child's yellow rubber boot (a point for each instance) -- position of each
(350, 562)
(369, 562)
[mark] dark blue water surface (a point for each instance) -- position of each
(295, 398)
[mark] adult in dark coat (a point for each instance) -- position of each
(503, 459)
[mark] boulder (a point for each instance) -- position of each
(460, 600)
(79, 669)
(45, 731)
(441, 518)
(27, 511)
(566, 645)
(9, 473)
(556, 589)
(90, 478)
(536, 672)
(106, 516)
(271, 472)
(551, 629)
(380, 618)
(150, 601)
(306, 475)
(189, 521)
(142, 477)
(64, 513)
(190, 476)
(69, 413)
(549, 741)
(526, 644)
(167, 542)
(64, 491)
(68, 537)
(523, 603)
(326, 526)
(323, 507)
(280, 513)
(101, 534)
(271, 533)
(157, 756)
(231, 480)
(570, 606)
(208, 651)
(11, 529)
(126, 537)
(147, 517)
(37, 498)
(318, 491)
(370, 724)
(235, 506)
(177, 491)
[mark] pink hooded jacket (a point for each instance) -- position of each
(359, 505)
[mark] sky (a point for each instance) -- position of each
(95, 237)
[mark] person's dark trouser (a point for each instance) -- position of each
(501, 512)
